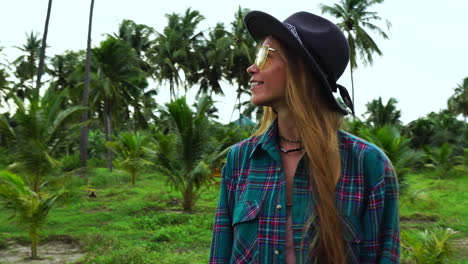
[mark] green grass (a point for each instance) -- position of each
(145, 224)
(431, 202)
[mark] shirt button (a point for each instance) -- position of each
(278, 206)
(277, 252)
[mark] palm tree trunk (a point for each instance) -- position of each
(188, 198)
(352, 87)
(133, 178)
(84, 117)
(239, 103)
(36, 183)
(108, 125)
(171, 89)
(43, 47)
(34, 241)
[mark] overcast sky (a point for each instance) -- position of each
(424, 59)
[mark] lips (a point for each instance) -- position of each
(255, 83)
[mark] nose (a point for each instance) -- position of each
(252, 69)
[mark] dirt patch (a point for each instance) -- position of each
(51, 252)
(99, 209)
(461, 246)
(420, 217)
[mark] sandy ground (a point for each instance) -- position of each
(54, 252)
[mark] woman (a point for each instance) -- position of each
(300, 190)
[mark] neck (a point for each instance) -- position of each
(286, 125)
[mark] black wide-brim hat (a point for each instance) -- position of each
(319, 42)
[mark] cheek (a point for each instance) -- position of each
(279, 76)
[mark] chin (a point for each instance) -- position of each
(258, 102)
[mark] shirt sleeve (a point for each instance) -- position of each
(390, 228)
(221, 243)
(381, 243)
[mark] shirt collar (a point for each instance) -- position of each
(268, 143)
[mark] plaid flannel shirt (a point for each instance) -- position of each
(250, 222)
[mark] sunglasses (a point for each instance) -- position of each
(262, 55)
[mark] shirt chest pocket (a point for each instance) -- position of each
(245, 222)
(352, 235)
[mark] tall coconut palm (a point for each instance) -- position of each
(30, 208)
(85, 116)
(119, 78)
(241, 56)
(354, 19)
(176, 54)
(215, 50)
(40, 68)
(62, 70)
(4, 85)
(380, 114)
(138, 36)
(458, 102)
(26, 65)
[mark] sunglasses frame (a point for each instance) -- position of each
(262, 55)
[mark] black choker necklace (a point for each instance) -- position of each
(288, 140)
(290, 150)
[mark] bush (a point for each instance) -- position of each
(5, 157)
(428, 246)
(70, 162)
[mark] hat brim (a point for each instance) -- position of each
(260, 25)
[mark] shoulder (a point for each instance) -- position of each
(370, 160)
(241, 151)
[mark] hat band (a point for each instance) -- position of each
(294, 32)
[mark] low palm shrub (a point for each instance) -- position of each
(428, 246)
(29, 207)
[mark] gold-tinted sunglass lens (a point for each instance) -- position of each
(262, 55)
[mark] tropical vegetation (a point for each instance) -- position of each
(90, 154)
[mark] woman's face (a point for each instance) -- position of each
(269, 83)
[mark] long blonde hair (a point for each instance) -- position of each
(317, 125)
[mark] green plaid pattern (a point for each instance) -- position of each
(250, 223)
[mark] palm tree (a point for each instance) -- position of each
(41, 128)
(441, 159)
(380, 114)
(241, 56)
(132, 148)
(447, 128)
(4, 85)
(85, 116)
(458, 102)
(177, 51)
(138, 36)
(429, 246)
(185, 154)
(396, 147)
(214, 62)
(28, 206)
(26, 65)
(355, 18)
(119, 81)
(62, 71)
(421, 132)
(40, 69)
